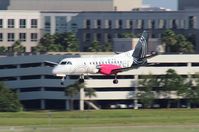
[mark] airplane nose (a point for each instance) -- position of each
(59, 70)
(54, 71)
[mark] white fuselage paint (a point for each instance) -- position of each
(80, 66)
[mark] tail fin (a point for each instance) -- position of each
(141, 47)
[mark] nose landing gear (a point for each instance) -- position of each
(81, 78)
(115, 81)
(62, 80)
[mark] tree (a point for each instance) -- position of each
(169, 38)
(61, 42)
(9, 101)
(107, 47)
(146, 95)
(95, 47)
(190, 92)
(40, 48)
(72, 91)
(3, 50)
(54, 48)
(17, 47)
(47, 43)
(172, 82)
(128, 35)
(73, 44)
(182, 45)
(90, 92)
(176, 42)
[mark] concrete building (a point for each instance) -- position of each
(151, 8)
(70, 5)
(17, 22)
(20, 25)
(37, 88)
(104, 26)
(32, 79)
(188, 4)
(90, 26)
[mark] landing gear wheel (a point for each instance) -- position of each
(115, 81)
(62, 83)
(62, 80)
(81, 80)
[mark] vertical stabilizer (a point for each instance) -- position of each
(141, 47)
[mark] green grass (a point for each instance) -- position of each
(102, 118)
(104, 129)
(163, 120)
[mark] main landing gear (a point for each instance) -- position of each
(81, 78)
(115, 81)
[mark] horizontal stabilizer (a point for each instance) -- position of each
(153, 53)
(51, 63)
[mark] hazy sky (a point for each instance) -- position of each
(171, 4)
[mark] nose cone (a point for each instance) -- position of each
(55, 70)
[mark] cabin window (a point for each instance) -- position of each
(66, 63)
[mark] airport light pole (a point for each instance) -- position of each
(81, 99)
(135, 93)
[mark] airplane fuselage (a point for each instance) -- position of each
(90, 65)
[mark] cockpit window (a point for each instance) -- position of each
(65, 63)
(69, 63)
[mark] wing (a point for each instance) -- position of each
(107, 69)
(115, 71)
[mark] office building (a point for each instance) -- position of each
(70, 5)
(29, 26)
(188, 4)
(20, 25)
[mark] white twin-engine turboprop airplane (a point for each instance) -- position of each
(111, 65)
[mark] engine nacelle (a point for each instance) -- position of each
(107, 69)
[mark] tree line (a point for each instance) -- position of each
(9, 101)
(73, 90)
(168, 85)
(68, 42)
(150, 88)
